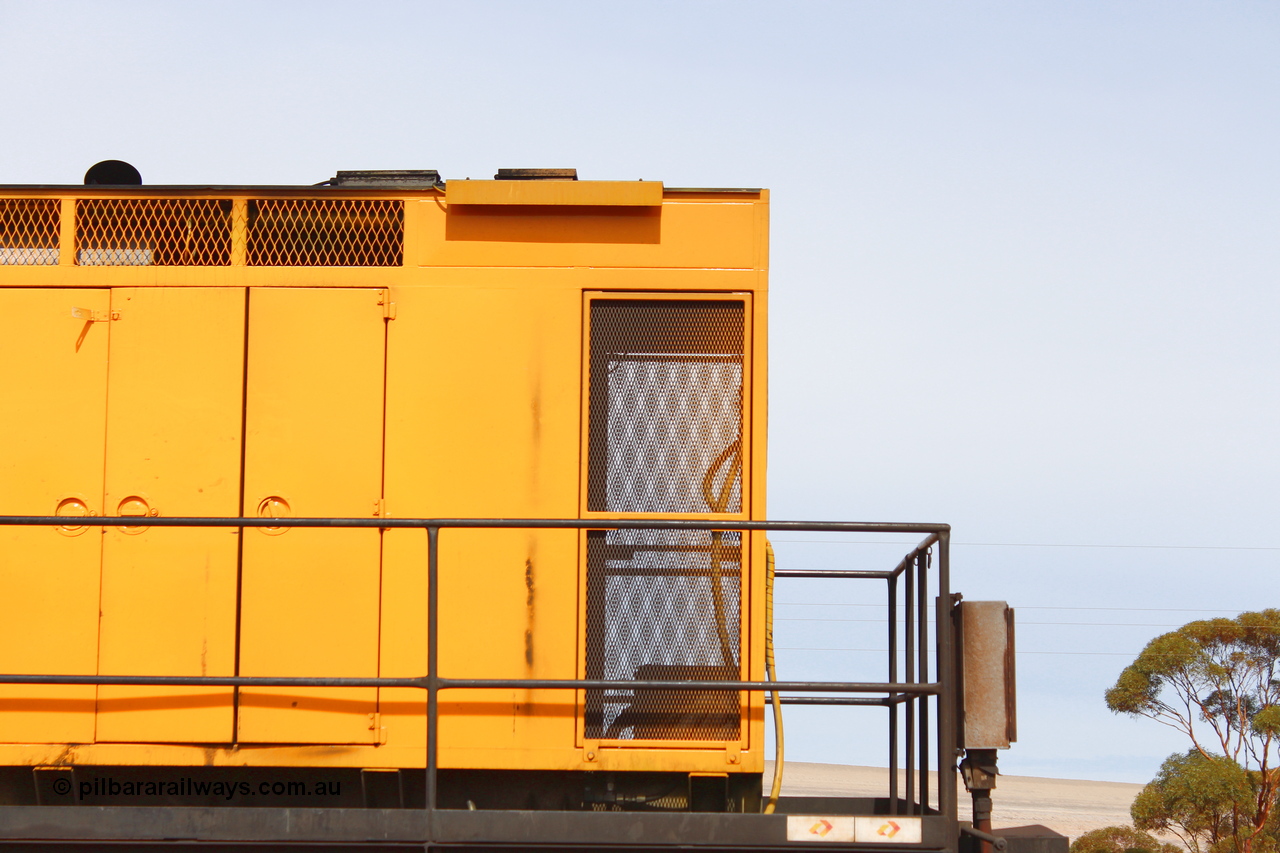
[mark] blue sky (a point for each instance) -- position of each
(1024, 259)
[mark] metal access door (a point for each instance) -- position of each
(119, 402)
(53, 384)
(668, 382)
(309, 603)
(174, 393)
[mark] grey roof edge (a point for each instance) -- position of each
(81, 188)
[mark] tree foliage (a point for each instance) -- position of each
(1120, 839)
(1201, 800)
(1216, 681)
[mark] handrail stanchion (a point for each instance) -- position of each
(893, 705)
(433, 674)
(922, 590)
(947, 698)
(909, 658)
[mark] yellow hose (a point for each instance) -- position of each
(719, 502)
(771, 671)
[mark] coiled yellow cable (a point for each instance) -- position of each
(719, 502)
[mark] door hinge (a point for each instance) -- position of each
(388, 307)
(380, 508)
(378, 729)
(91, 316)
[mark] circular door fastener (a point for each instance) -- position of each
(274, 507)
(135, 505)
(72, 508)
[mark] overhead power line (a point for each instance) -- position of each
(1035, 607)
(1040, 545)
(886, 651)
(1020, 622)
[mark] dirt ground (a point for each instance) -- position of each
(1068, 806)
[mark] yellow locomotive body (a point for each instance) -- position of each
(491, 349)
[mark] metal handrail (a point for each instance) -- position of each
(895, 692)
(935, 531)
(920, 689)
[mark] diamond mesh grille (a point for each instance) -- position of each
(665, 406)
(663, 604)
(326, 233)
(153, 232)
(29, 230)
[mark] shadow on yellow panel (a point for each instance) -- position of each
(118, 699)
(538, 224)
(349, 700)
(509, 710)
(50, 712)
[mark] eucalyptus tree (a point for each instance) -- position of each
(1216, 681)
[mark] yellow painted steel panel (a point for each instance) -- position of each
(688, 235)
(580, 193)
(403, 636)
(508, 448)
(536, 755)
(173, 448)
(313, 447)
(53, 383)
(501, 355)
(507, 610)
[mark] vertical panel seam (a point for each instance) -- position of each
(244, 442)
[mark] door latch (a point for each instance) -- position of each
(91, 316)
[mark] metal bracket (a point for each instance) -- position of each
(91, 316)
(979, 770)
(995, 841)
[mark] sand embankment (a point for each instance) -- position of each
(1069, 806)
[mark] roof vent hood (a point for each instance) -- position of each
(536, 175)
(412, 179)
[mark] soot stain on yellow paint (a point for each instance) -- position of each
(528, 603)
(66, 756)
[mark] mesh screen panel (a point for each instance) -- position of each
(663, 604)
(665, 406)
(153, 231)
(326, 233)
(29, 230)
(664, 435)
